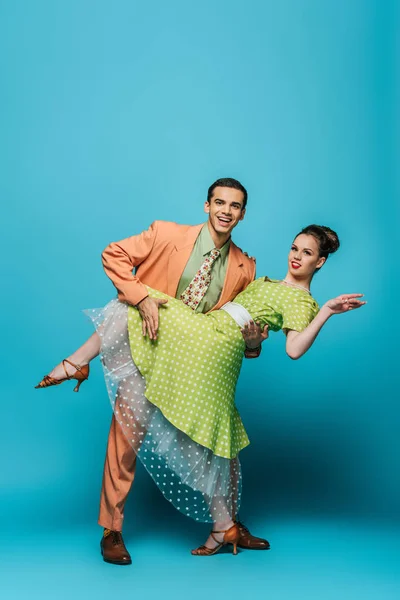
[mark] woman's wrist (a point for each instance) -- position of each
(326, 311)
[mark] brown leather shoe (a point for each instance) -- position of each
(250, 542)
(113, 548)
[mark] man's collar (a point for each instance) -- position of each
(207, 243)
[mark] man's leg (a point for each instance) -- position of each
(118, 475)
(246, 540)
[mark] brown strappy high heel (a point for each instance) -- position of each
(81, 374)
(231, 536)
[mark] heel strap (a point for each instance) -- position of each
(66, 372)
(223, 531)
(77, 367)
(213, 536)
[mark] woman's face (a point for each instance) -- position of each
(304, 256)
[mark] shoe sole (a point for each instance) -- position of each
(116, 562)
(247, 548)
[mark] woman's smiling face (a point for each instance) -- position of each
(304, 257)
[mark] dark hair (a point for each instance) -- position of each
(229, 183)
(328, 241)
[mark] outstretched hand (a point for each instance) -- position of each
(345, 303)
(148, 309)
(253, 335)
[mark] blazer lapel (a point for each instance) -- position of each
(233, 275)
(183, 246)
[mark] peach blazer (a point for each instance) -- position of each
(159, 256)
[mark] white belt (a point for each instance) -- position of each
(238, 312)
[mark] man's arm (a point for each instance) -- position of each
(252, 333)
(254, 336)
(120, 258)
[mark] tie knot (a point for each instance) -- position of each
(214, 254)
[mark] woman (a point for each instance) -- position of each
(174, 396)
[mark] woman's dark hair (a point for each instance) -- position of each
(230, 183)
(328, 241)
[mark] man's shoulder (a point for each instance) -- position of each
(247, 260)
(173, 225)
(170, 228)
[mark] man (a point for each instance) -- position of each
(205, 269)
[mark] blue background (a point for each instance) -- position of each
(116, 114)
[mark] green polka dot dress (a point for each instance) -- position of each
(191, 370)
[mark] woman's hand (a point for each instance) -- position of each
(344, 303)
(253, 335)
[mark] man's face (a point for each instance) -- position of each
(225, 209)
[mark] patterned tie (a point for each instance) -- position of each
(197, 288)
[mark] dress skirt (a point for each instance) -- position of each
(174, 400)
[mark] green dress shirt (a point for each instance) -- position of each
(202, 248)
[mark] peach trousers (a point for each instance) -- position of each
(118, 476)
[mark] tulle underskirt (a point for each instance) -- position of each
(198, 483)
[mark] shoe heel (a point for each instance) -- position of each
(76, 388)
(234, 551)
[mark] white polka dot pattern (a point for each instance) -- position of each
(192, 369)
(174, 397)
(191, 372)
(200, 484)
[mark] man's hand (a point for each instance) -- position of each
(148, 309)
(253, 335)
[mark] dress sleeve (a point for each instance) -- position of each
(299, 313)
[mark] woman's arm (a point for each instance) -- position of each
(297, 343)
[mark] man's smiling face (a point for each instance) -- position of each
(225, 209)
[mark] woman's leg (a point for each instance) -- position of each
(224, 508)
(89, 350)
